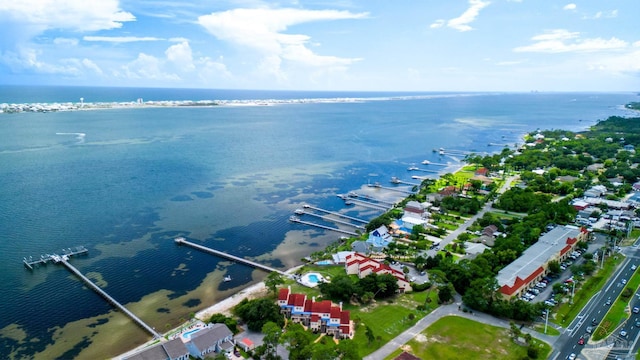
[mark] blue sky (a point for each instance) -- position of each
(401, 45)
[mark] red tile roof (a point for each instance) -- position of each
(283, 294)
(297, 299)
(335, 312)
(505, 289)
(345, 318)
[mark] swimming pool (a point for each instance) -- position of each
(187, 335)
(311, 279)
(324, 262)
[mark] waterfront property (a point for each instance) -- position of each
(320, 317)
(172, 350)
(216, 338)
(524, 272)
(358, 264)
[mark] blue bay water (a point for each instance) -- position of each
(225, 176)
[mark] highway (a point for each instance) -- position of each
(615, 346)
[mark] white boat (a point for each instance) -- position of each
(426, 162)
(410, 168)
(227, 278)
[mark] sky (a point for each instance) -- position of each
(333, 45)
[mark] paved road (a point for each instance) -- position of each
(447, 310)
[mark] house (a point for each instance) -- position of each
(596, 191)
(490, 230)
(319, 316)
(214, 339)
(171, 350)
(358, 264)
(417, 209)
(406, 356)
(636, 186)
(379, 238)
(361, 247)
(246, 344)
(482, 172)
(524, 272)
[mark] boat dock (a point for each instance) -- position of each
(335, 213)
(45, 259)
(415, 168)
(183, 241)
(378, 186)
(395, 180)
(325, 217)
(63, 260)
(297, 220)
(367, 204)
(354, 194)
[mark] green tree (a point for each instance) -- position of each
(272, 333)
(255, 313)
(445, 293)
(369, 334)
(347, 350)
(298, 341)
(272, 281)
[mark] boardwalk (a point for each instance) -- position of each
(335, 213)
(183, 241)
(297, 220)
(111, 300)
(327, 218)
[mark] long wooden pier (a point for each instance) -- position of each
(45, 259)
(368, 204)
(335, 213)
(63, 260)
(354, 194)
(183, 241)
(325, 217)
(297, 220)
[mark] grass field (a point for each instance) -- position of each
(454, 337)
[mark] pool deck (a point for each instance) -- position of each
(306, 280)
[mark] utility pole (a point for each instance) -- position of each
(546, 321)
(573, 288)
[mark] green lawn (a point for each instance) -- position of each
(396, 319)
(454, 337)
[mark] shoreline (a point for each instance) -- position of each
(223, 306)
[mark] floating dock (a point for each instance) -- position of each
(335, 213)
(31, 263)
(325, 217)
(183, 241)
(297, 220)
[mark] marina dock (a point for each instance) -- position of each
(395, 180)
(415, 168)
(404, 191)
(31, 263)
(63, 260)
(354, 194)
(326, 218)
(335, 213)
(183, 241)
(297, 220)
(350, 200)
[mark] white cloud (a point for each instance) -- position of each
(602, 14)
(262, 30)
(36, 16)
(120, 39)
(65, 41)
(438, 24)
(180, 54)
(147, 67)
(560, 41)
(462, 22)
(625, 63)
(570, 7)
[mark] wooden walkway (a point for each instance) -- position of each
(183, 241)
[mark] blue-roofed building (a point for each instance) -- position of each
(379, 238)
